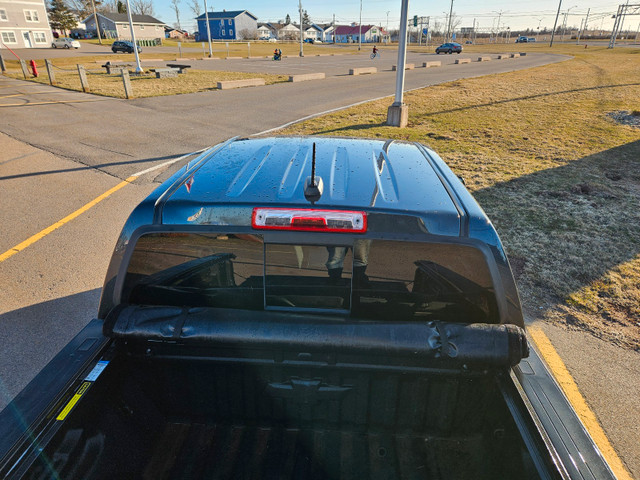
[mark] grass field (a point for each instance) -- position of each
(146, 85)
(559, 177)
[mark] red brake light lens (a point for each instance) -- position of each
(302, 219)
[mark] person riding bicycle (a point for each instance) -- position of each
(375, 50)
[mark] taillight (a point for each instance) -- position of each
(302, 219)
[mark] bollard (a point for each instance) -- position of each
(227, 49)
(126, 81)
(82, 73)
(249, 49)
(23, 66)
(3, 67)
(50, 72)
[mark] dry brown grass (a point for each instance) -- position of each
(557, 175)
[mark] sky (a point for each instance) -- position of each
(514, 14)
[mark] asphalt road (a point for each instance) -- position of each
(60, 150)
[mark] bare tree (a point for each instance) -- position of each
(248, 34)
(174, 5)
(194, 5)
(142, 7)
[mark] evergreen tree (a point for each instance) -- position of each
(287, 20)
(305, 18)
(60, 17)
(122, 8)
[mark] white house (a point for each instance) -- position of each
(24, 24)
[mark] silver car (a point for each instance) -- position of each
(65, 42)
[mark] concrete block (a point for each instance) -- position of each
(462, 60)
(515, 55)
(398, 116)
(432, 64)
(503, 57)
(407, 66)
(362, 70)
(484, 59)
(249, 82)
(303, 77)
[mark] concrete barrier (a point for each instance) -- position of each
(249, 82)
(515, 55)
(234, 58)
(484, 59)
(303, 77)
(462, 60)
(210, 58)
(407, 66)
(432, 64)
(503, 57)
(362, 70)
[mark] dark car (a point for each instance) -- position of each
(449, 48)
(126, 47)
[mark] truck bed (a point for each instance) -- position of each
(259, 415)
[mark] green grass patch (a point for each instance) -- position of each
(558, 176)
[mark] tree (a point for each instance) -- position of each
(174, 5)
(287, 20)
(83, 7)
(305, 18)
(194, 5)
(142, 7)
(122, 8)
(248, 34)
(60, 17)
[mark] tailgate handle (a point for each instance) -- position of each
(307, 391)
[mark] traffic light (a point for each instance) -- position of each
(415, 20)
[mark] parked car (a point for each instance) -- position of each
(65, 42)
(126, 47)
(522, 40)
(531, 40)
(309, 40)
(449, 48)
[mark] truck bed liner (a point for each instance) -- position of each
(198, 451)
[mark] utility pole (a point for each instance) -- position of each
(398, 112)
(583, 27)
(360, 33)
(133, 40)
(553, 33)
(300, 8)
(473, 31)
(449, 24)
(95, 19)
(499, 17)
(206, 19)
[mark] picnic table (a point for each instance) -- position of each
(181, 68)
(115, 68)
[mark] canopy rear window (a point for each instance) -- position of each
(369, 279)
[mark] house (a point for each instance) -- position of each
(267, 31)
(24, 24)
(116, 25)
(231, 25)
(313, 31)
(175, 33)
(288, 31)
(351, 34)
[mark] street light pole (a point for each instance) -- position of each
(206, 19)
(398, 112)
(300, 8)
(449, 25)
(555, 24)
(360, 32)
(95, 19)
(133, 40)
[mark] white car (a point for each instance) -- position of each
(65, 42)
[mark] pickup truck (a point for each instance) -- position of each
(302, 307)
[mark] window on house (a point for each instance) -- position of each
(141, 27)
(230, 32)
(9, 37)
(40, 37)
(228, 22)
(3, 15)
(222, 32)
(31, 16)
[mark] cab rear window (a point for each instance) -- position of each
(363, 278)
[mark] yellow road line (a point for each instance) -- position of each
(43, 233)
(588, 418)
(44, 103)
(12, 95)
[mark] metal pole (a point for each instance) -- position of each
(95, 19)
(402, 53)
(300, 8)
(133, 40)
(206, 19)
(360, 33)
(420, 33)
(553, 33)
(616, 25)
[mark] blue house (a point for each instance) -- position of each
(231, 25)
